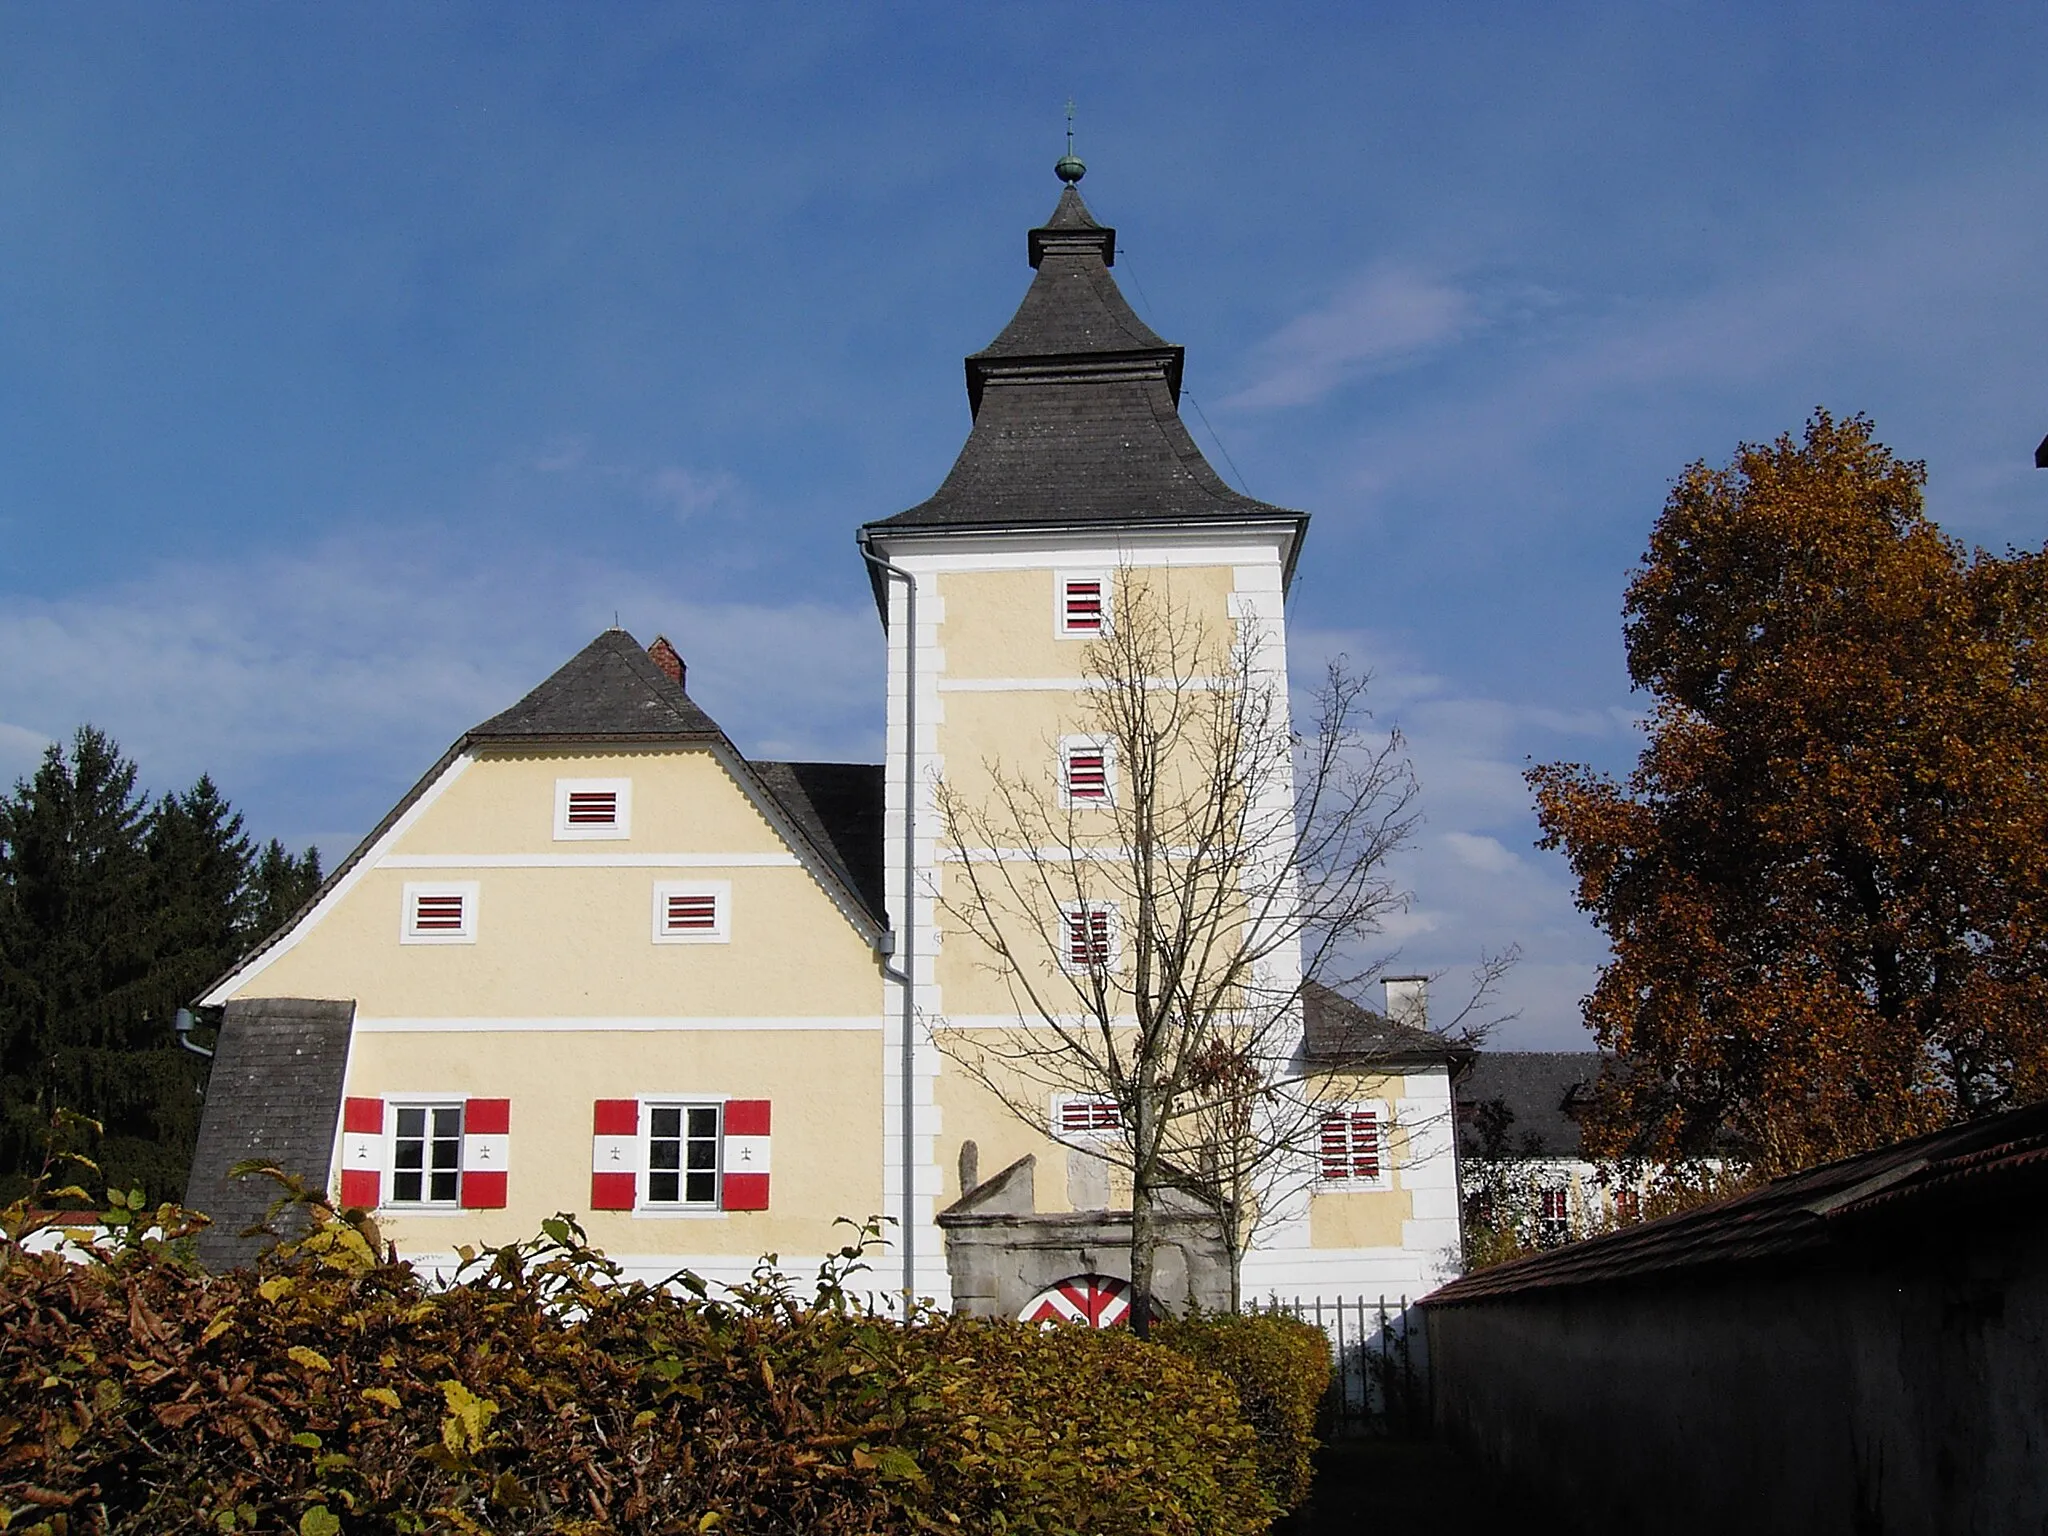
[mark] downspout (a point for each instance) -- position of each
(906, 952)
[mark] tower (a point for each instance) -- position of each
(1077, 471)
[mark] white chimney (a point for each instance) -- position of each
(1408, 1000)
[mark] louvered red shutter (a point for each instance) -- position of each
(614, 1154)
(745, 1185)
(593, 808)
(1087, 774)
(1365, 1145)
(1081, 607)
(1335, 1147)
(486, 1152)
(362, 1152)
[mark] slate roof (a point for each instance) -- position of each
(1541, 1090)
(1337, 1031)
(274, 1093)
(612, 691)
(1987, 1173)
(1076, 411)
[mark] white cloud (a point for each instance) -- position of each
(688, 492)
(1379, 320)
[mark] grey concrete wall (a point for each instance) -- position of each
(1898, 1392)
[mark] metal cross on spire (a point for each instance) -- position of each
(1067, 168)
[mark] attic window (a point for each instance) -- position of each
(1083, 606)
(593, 809)
(692, 911)
(440, 914)
(1348, 1146)
(1086, 772)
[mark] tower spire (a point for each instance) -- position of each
(1067, 168)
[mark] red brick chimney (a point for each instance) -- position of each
(665, 657)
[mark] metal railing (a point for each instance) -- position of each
(1379, 1384)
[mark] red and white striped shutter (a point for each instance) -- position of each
(593, 807)
(1365, 1144)
(1334, 1147)
(362, 1152)
(690, 912)
(745, 1184)
(615, 1155)
(1087, 774)
(437, 912)
(1081, 607)
(486, 1152)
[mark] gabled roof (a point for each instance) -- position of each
(612, 691)
(1541, 1092)
(1340, 1032)
(1076, 412)
(1993, 1170)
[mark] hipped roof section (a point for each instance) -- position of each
(1076, 412)
(612, 692)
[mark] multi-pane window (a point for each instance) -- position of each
(1554, 1217)
(440, 914)
(682, 1154)
(426, 1154)
(1084, 606)
(1628, 1206)
(593, 808)
(1089, 941)
(691, 911)
(1086, 772)
(1348, 1146)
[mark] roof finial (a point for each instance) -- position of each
(1067, 168)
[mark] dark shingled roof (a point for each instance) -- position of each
(1076, 411)
(840, 806)
(275, 1094)
(1993, 1170)
(1541, 1091)
(611, 690)
(1337, 1031)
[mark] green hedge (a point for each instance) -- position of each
(1280, 1368)
(327, 1392)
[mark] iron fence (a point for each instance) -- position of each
(1379, 1384)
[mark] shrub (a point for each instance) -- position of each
(325, 1391)
(1280, 1368)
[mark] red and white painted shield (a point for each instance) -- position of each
(1093, 1301)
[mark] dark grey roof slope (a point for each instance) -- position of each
(274, 1094)
(611, 690)
(1897, 1200)
(1076, 410)
(1339, 1031)
(840, 806)
(1540, 1091)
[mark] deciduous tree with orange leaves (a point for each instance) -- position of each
(1826, 881)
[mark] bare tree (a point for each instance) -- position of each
(1157, 914)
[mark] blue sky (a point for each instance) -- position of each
(358, 363)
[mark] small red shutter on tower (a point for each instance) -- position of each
(745, 1184)
(362, 1152)
(486, 1152)
(614, 1154)
(1081, 607)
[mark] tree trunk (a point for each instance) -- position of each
(1144, 1245)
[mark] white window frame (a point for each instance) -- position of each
(428, 1102)
(619, 829)
(1069, 910)
(1061, 580)
(414, 889)
(1377, 1108)
(1098, 1137)
(721, 893)
(643, 1202)
(1069, 745)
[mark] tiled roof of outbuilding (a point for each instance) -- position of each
(1991, 1169)
(840, 805)
(1338, 1031)
(1076, 410)
(274, 1093)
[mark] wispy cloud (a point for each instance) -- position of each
(316, 685)
(1381, 319)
